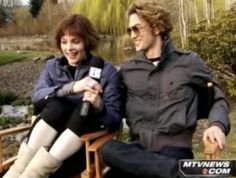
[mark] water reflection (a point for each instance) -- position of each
(116, 50)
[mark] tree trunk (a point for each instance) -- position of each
(196, 13)
(207, 10)
(183, 22)
(212, 9)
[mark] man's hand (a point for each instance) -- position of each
(87, 84)
(215, 134)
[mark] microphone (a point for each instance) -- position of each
(95, 72)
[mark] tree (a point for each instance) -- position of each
(195, 12)
(108, 16)
(6, 10)
(35, 7)
(48, 17)
(208, 10)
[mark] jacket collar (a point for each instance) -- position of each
(168, 48)
(63, 63)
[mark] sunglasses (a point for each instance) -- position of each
(134, 29)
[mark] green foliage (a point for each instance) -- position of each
(6, 122)
(230, 86)
(11, 98)
(7, 57)
(21, 101)
(108, 16)
(7, 98)
(216, 44)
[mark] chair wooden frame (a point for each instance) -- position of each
(4, 165)
(93, 142)
(212, 150)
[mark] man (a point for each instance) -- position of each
(161, 100)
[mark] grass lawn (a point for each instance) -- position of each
(230, 150)
(13, 56)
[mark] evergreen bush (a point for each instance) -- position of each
(216, 44)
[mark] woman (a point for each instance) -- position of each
(61, 88)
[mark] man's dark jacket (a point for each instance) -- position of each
(163, 99)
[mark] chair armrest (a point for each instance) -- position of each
(100, 141)
(93, 142)
(93, 135)
(4, 165)
(14, 130)
(212, 150)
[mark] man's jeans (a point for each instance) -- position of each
(134, 161)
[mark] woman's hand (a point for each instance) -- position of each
(87, 84)
(94, 98)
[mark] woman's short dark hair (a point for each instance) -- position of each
(77, 25)
(154, 14)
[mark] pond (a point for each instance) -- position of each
(115, 49)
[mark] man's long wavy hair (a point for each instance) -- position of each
(154, 14)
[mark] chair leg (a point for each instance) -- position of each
(97, 164)
(87, 157)
(89, 172)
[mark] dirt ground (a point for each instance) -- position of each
(19, 77)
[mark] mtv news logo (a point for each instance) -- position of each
(209, 168)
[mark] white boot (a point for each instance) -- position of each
(41, 166)
(25, 154)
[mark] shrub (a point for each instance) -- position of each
(7, 98)
(21, 101)
(6, 122)
(216, 44)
